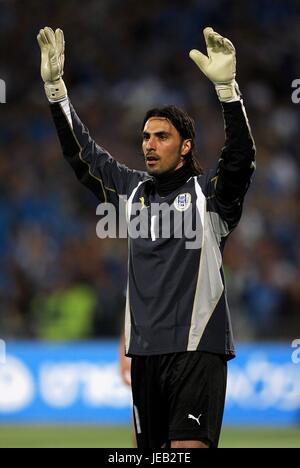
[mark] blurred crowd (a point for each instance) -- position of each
(57, 279)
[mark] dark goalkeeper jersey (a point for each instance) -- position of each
(176, 298)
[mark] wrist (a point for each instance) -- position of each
(228, 92)
(55, 90)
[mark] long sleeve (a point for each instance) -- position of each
(236, 165)
(93, 165)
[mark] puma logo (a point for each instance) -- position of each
(190, 416)
(142, 200)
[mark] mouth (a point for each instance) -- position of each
(151, 160)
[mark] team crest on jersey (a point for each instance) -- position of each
(183, 201)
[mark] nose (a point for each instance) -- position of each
(150, 144)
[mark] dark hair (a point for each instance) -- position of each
(185, 126)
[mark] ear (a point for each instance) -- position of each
(186, 147)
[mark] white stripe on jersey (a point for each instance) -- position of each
(65, 105)
(127, 308)
(210, 286)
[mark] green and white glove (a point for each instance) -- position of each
(52, 62)
(220, 64)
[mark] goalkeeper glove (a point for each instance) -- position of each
(219, 66)
(52, 63)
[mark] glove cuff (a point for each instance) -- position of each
(228, 92)
(55, 90)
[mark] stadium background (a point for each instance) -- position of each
(58, 282)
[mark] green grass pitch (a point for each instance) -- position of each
(13, 436)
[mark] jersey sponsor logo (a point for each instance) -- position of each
(183, 201)
(190, 416)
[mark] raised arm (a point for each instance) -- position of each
(229, 183)
(93, 165)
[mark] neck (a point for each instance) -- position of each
(170, 181)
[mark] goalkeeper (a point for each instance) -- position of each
(177, 323)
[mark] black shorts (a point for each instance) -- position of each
(178, 396)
